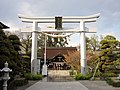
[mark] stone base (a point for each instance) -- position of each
(44, 70)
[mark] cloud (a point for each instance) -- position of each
(26, 8)
(109, 20)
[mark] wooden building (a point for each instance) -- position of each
(55, 57)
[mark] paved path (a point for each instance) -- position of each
(67, 85)
(74, 85)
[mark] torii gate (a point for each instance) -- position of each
(66, 19)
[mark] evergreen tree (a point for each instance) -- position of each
(9, 52)
(107, 57)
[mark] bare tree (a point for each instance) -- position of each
(94, 43)
(25, 39)
(73, 59)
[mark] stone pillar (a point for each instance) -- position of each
(34, 49)
(83, 48)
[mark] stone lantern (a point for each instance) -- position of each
(5, 77)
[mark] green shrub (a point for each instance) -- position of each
(80, 76)
(110, 74)
(37, 77)
(107, 74)
(30, 76)
(111, 82)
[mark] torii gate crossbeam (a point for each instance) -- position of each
(66, 19)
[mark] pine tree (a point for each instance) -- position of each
(9, 52)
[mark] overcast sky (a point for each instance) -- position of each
(108, 23)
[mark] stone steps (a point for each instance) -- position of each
(59, 76)
(58, 73)
(60, 79)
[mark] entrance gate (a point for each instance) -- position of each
(71, 19)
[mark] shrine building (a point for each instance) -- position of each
(55, 57)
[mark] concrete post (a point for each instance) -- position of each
(34, 49)
(83, 48)
(6, 77)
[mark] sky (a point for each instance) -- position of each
(108, 23)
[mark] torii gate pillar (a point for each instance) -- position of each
(34, 48)
(83, 48)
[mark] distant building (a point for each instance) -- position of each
(55, 57)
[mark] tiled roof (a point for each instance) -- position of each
(54, 51)
(3, 26)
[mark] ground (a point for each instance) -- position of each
(67, 85)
